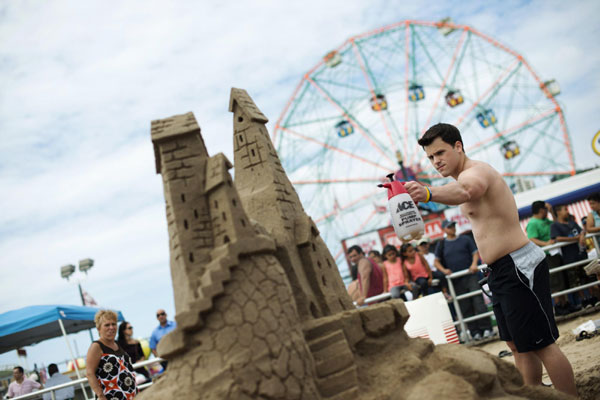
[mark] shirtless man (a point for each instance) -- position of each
(519, 277)
(370, 277)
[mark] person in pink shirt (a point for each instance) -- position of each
(21, 384)
(417, 267)
(398, 285)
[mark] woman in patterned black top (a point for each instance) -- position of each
(108, 366)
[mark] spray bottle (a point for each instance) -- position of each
(406, 219)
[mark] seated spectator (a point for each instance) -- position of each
(376, 256)
(417, 267)
(21, 384)
(398, 284)
(423, 247)
(56, 378)
(370, 276)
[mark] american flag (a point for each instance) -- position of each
(88, 300)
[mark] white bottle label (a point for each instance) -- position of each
(406, 219)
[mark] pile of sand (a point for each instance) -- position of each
(584, 356)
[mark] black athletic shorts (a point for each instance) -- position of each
(521, 298)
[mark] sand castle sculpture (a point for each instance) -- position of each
(261, 309)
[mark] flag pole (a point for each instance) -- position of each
(83, 303)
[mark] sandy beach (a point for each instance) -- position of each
(584, 355)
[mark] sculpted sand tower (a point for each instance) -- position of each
(262, 312)
(269, 197)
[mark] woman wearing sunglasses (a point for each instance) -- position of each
(134, 349)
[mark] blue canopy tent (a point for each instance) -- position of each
(33, 324)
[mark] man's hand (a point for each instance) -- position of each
(360, 301)
(582, 236)
(445, 271)
(416, 191)
(473, 269)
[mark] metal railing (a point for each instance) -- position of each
(39, 394)
(455, 299)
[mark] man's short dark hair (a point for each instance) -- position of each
(558, 207)
(594, 197)
(356, 248)
(52, 369)
(536, 206)
(448, 133)
(20, 369)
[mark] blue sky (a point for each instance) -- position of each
(81, 81)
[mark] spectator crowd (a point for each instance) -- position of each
(419, 268)
(109, 363)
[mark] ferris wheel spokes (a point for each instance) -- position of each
(334, 148)
(337, 208)
(503, 77)
(365, 222)
(347, 115)
(363, 67)
(443, 85)
(348, 180)
(481, 145)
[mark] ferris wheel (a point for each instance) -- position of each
(356, 116)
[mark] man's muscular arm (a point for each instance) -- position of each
(567, 238)
(475, 259)
(385, 278)
(590, 224)
(364, 269)
(542, 243)
(440, 267)
(470, 185)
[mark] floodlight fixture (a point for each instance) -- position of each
(67, 270)
(86, 264)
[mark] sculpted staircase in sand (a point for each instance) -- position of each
(262, 312)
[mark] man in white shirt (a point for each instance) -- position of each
(442, 283)
(423, 246)
(56, 378)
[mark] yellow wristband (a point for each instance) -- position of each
(428, 194)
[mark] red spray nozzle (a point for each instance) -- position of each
(394, 188)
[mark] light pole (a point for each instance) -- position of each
(84, 266)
